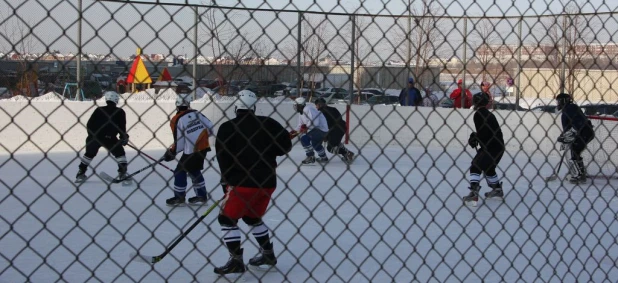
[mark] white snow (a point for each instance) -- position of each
(50, 96)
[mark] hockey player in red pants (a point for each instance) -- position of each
(247, 149)
(488, 136)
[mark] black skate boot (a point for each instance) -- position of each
(496, 191)
(582, 175)
(322, 159)
(265, 261)
(81, 174)
(175, 201)
(310, 160)
(235, 265)
(472, 198)
(348, 157)
(197, 200)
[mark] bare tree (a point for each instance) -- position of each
(314, 36)
(486, 40)
(424, 38)
(16, 36)
(570, 35)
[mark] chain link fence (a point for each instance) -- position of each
(395, 214)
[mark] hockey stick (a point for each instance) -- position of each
(155, 259)
(555, 175)
(111, 179)
(148, 156)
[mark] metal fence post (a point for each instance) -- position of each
(519, 66)
(299, 76)
(464, 61)
(564, 48)
(79, 51)
(195, 52)
(352, 61)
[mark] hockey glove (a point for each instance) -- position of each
(568, 136)
(473, 141)
(293, 134)
(303, 129)
(124, 139)
(169, 155)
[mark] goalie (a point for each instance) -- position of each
(577, 132)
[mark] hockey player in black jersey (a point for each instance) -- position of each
(577, 132)
(104, 125)
(336, 130)
(488, 136)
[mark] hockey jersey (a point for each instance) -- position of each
(191, 131)
(107, 122)
(312, 118)
(488, 131)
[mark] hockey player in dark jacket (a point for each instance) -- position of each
(104, 125)
(247, 148)
(336, 130)
(488, 136)
(577, 132)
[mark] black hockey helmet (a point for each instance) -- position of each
(480, 99)
(563, 99)
(320, 102)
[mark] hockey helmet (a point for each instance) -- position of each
(184, 99)
(246, 100)
(563, 99)
(320, 101)
(299, 104)
(112, 96)
(480, 99)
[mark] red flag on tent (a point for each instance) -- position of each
(165, 76)
(139, 73)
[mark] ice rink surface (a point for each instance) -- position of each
(391, 216)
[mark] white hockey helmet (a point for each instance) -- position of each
(300, 101)
(184, 99)
(246, 100)
(112, 96)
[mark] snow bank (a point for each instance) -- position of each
(50, 97)
(19, 98)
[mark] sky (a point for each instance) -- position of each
(118, 28)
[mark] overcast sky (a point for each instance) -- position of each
(113, 27)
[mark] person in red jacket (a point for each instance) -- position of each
(456, 96)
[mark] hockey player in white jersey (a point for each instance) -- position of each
(312, 128)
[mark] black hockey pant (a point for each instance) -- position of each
(112, 144)
(579, 145)
(485, 162)
(334, 144)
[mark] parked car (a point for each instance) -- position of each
(383, 100)
(508, 106)
(226, 90)
(330, 97)
(331, 89)
(264, 88)
(104, 80)
(375, 91)
(364, 96)
(545, 108)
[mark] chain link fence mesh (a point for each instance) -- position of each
(395, 214)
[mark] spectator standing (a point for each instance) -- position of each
(457, 96)
(410, 96)
(430, 100)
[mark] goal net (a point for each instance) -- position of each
(601, 154)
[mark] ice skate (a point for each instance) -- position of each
(81, 176)
(197, 201)
(125, 179)
(472, 198)
(348, 157)
(322, 159)
(580, 175)
(310, 160)
(175, 201)
(496, 192)
(234, 266)
(265, 261)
